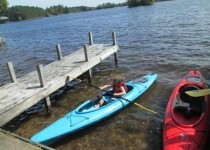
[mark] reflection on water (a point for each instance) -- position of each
(169, 38)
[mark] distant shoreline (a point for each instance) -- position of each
(20, 13)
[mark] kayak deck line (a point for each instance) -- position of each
(78, 118)
(28, 90)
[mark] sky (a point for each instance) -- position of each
(69, 3)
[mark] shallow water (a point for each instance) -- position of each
(169, 38)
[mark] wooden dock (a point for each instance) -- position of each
(12, 141)
(24, 92)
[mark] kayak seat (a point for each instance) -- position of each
(129, 88)
(179, 104)
(188, 105)
(185, 97)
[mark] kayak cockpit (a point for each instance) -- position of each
(108, 100)
(188, 110)
(89, 106)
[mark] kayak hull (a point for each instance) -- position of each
(86, 114)
(186, 122)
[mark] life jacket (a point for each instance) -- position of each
(116, 87)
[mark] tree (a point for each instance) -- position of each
(3, 7)
(18, 13)
(134, 3)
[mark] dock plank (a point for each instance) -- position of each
(19, 96)
(11, 141)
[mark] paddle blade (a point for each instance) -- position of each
(198, 93)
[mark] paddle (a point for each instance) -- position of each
(119, 97)
(198, 93)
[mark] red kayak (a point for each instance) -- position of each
(186, 123)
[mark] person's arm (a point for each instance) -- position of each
(121, 93)
(105, 86)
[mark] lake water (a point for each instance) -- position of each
(168, 38)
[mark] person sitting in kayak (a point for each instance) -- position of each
(118, 89)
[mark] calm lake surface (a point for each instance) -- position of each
(169, 38)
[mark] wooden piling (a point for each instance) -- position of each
(40, 74)
(116, 59)
(114, 38)
(115, 43)
(42, 84)
(90, 38)
(89, 72)
(86, 52)
(58, 48)
(47, 104)
(11, 72)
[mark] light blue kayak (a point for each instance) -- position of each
(86, 114)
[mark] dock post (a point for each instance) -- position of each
(11, 72)
(116, 59)
(41, 77)
(58, 48)
(115, 43)
(89, 72)
(42, 84)
(90, 38)
(89, 76)
(114, 38)
(86, 52)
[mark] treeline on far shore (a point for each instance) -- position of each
(18, 13)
